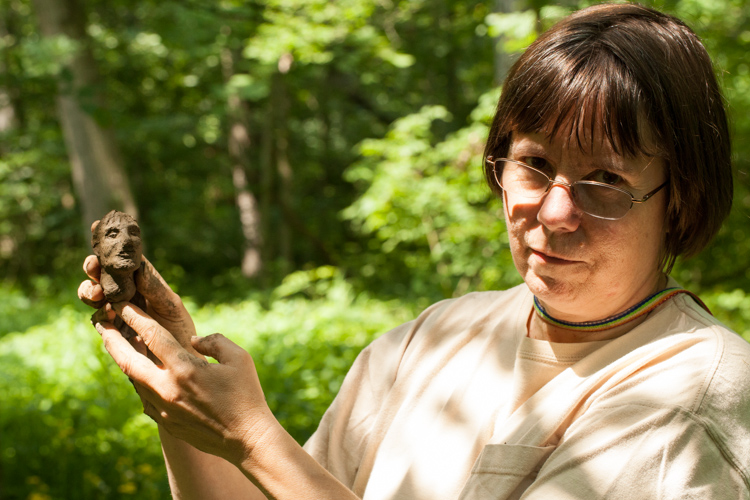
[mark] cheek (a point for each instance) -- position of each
(633, 250)
(516, 226)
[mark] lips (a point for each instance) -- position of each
(551, 258)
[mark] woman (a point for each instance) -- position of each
(597, 378)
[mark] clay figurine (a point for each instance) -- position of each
(116, 241)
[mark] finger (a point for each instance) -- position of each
(92, 268)
(150, 411)
(91, 294)
(160, 296)
(104, 314)
(157, 339)
(139, 345)
(130, 362)
(221, 349)
(147, 395)
(93, 226)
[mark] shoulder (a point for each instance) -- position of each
(694, 358)
(697, 368)
(473, 310)
(723, 407)
(719, 356)
(455, 320)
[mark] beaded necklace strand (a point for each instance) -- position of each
(638, 310)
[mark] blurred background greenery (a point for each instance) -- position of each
(306, 173)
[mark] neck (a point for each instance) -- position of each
(542, 330)
(117, 287)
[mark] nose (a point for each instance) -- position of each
(558, 212)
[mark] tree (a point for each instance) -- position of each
(239, 145)
(98, 175)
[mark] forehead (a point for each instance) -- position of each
(119, 219)
(594, 153)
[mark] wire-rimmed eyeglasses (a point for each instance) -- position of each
(594, 198)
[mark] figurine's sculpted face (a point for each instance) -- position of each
(118, 243)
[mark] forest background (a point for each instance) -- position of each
(306, 173)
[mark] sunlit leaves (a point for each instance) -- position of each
(518, 29)
(47, 56)
(426, 201)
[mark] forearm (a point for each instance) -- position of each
(194, 475)
(285, 471)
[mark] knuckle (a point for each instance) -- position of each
(182, 376)
(245, 356)
(147, 330)
(172, 396)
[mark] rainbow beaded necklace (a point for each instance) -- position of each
(638, 310)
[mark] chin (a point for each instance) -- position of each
(553, 290)
(125, 265)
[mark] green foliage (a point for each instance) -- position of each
(732, 308)
(381, 109)
(429, 209)
(305, 341)
(71, 424)
(70, 421)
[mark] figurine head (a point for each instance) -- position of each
(116, 241)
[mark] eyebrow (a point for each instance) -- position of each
(528, 147)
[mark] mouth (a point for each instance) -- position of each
(548, 258)
(126, 255)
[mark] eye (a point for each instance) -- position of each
(112, 233)
(538, 163)
(605, 177)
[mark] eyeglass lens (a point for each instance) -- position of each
(598, 200)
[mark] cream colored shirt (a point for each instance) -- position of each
(461, 404)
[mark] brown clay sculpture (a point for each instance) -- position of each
(116, 241)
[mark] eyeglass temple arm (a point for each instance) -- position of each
(649, 195)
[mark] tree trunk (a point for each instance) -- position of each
(283, 167)
(98, 174)
(239, 146)
(266, 181)
(8, 119)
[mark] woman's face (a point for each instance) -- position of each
(580, 267)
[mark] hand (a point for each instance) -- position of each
(163, 304)
(217, 408)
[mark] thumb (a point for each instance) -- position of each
(221, 349)
(161, 298)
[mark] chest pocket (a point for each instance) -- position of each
(504, 471)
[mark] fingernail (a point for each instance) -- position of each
(99, 328)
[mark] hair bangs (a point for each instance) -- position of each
(586, 97)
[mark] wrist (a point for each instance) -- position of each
(258, 434)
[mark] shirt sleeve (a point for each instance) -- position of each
(639, 452)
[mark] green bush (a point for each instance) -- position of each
(71, 425)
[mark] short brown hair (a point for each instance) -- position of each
(647, 81)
